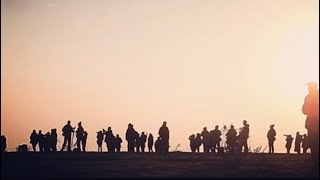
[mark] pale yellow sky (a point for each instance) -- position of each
(192, 63)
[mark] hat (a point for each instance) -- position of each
(272, 125)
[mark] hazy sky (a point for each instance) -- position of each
(192, 63)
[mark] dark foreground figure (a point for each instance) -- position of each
(311, 109)
(107, 165)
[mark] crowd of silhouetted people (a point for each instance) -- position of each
(136, 142)
(211, 140)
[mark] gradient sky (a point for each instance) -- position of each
(192, 63)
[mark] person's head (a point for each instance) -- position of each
(109, 128)
(216, 127)
(231, 127)
(34, 131)
(117, 135)
(85, 133)
(79, 124)
(271, 126)
(130, 125)
(298, 133)
(69, 122)
(164, 123)
(312, 86)
(304, 135)
(150, 135)
(40, 132)
(244, 122)
(205, 128)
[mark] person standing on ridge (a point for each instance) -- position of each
(99, 140)
(311, 109)
(244, 135)
(206, 140)
(66, 132)
(79, 136)
(150, 142)
(164, 135)
(34, 140)
(271, 138)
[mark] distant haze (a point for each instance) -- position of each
(191, 63)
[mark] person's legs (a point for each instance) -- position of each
(64, 143)
(34, 147)
(78, 145)
(84, 146)
(246, 146)
(69, 143)
(314, 145)
(269, 144)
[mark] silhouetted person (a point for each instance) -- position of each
(131, 136)
(164, 134)
(46, 146)
(311, 109)
(205, 140)
(118, 142)
(47, 138)
(305, 143)
(79, 136)
(198, 142)
(34, 140)
(244, 135)
(289, 140)
(84, 141)
(158, 145)
(110, 140)
(215, 138)
(192, 139)
(150, 142)
(271, 138)
(231, 139)
(297, 143)
(3, 143)
(66, 132)
(143, 140)
(99, 140)
(53, 140)
(42, 141)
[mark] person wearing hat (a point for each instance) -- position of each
(271, 138)
(311, 109)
